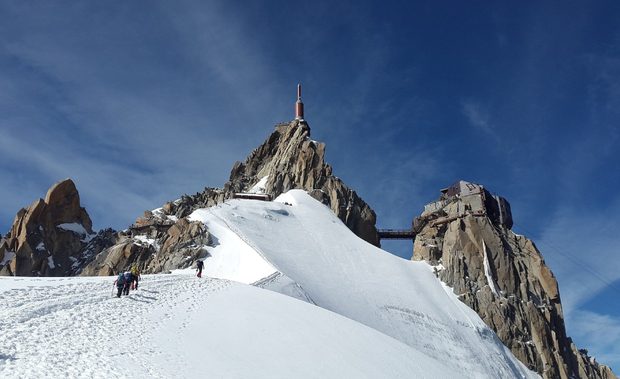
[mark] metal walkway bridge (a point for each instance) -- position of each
(396, 234)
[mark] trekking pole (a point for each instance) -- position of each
(113, 289)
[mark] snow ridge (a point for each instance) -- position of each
(348, 276)
(179, 326)
(364, 313)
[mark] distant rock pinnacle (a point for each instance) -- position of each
(50, 237)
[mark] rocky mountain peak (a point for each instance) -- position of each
(49, 236)
(502, 276)
(164, 239)
(290, 159)
(63, 205)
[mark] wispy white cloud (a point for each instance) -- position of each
(135, 135)
(582, 248)
(604, 87)
(478, 117)
(113, 189)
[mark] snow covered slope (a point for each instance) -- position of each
(179, 326)
(378, 316)
(317, 254)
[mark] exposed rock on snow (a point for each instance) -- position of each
(153, 244)
(504, 278)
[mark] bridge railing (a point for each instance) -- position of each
(396, 233)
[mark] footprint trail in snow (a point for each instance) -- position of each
(69, 319)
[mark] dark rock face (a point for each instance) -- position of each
(50, 238)
(504, 278)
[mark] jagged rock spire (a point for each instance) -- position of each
(504, 278)
(47, 237)
(289, 159)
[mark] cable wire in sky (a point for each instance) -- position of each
(565, 253)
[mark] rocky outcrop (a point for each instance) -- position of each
(504, 278)
(187, 204)
(155, 243)
(163, 240)
(52, 237)
(289, 159)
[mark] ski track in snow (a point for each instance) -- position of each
(76, 321)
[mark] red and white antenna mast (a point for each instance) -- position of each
(299, 106)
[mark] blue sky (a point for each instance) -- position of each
(141, 102)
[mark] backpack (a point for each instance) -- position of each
(128, 276)
(121, 279)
